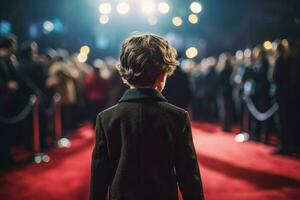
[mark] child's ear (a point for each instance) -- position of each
(160, 81)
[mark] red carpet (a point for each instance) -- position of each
(230, 170)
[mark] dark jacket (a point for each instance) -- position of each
(225, 86)
(35, 75)
(178, 90)
(143, 149)
(12, 102)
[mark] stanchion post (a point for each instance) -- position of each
(36, 127)
(61, 141)
(246, 124)
(38, 155)
(244, 135)
(57, 117)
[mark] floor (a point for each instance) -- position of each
(230, 170)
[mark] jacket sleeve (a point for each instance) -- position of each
(100, 167)
(186, 165)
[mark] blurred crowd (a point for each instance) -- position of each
(84, 89)
(257, 90)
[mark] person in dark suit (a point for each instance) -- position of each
(13, 98)
(32, 68)
(282, 79)
(225, 92)
(144, 145)
(35, 76)
(9, 86)
(261, 96)
(178, 90)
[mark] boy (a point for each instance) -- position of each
(144, 144)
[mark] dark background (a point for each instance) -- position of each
(225, 25)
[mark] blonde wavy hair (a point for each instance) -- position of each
(144, 57)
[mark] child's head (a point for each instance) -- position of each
(146, 59)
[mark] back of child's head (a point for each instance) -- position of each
(144, 57)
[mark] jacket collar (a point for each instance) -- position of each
(138, 94)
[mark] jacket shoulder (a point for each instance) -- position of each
(166, 109)
(163, 105)
(108, 111)
(174, 109)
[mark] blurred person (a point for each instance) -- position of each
(14, 96)
(47, 59)
(246, 90)
(237, 84)
(33, 71)
(210, 104)
(225, 95)
(78, 72)
(8, 86)
(95, 93)
(261, 96)
(144, 144)
(32, 68)
(115, 84)
(295, 95)
(282, 79)
(203, 83)
(196, 80)
(177, 89)
(10, 77)
(61, 79)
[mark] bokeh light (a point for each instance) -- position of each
(239, 55)
(123, 8)
(48, 26)
(82, 57)
(105, 8)
(268, 45)
(152, 20)
(103, 19)
(37, 159)
(211, 61)
(196, 7)
(274, 45)
(105, 73)
(163, 7)
(5, 27)
(177, 21)
(147, 6)
(285, 42)
(247, 53)
(242, 137)
(46, 158)
(85, 50)
(64, 142)
(193, 19)
(191, 52)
